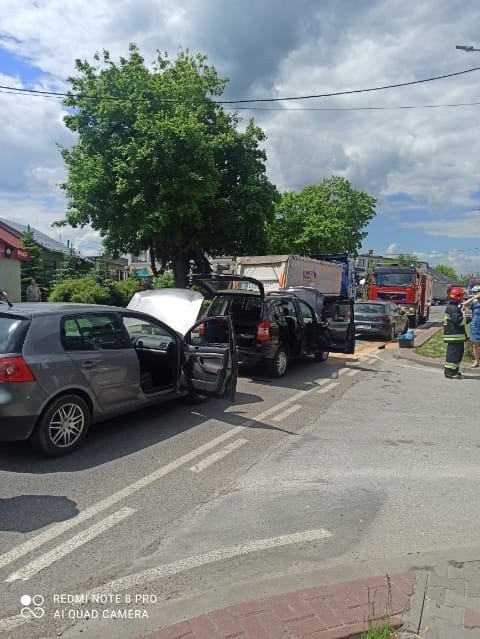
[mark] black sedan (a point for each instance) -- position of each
(379, 319)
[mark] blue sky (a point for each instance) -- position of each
(420, 163)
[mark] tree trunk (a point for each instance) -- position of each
(153, 262)
(180, 269)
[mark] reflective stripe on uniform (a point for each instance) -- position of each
(454, 338)
(452, 366)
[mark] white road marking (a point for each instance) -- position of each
(371, 360)
(342, 371)
(353, 372)
(91, 511)
(127, 491)
(211, 459)
(323, 381)
(286, 413)
(69, 546)
(423, 368)
(325, 389)
(167, 570)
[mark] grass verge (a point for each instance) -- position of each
(435, 348)
(380, 632)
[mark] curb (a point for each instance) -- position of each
(334, 611)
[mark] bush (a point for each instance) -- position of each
(165, 280)
(122, 292)
(83, 290)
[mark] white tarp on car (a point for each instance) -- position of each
(177, 307)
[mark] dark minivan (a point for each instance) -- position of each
(272, 328)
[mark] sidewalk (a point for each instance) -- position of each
(430, 603)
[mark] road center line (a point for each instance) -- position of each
(127, 491)
(325, 389)
(91, 511)
(69, 546)
(211, 459)
(286, 413)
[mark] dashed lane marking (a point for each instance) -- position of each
(286, 413)
(35, 566)
(211, 459)
(330, 387)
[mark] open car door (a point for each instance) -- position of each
(210, 360)
(338, 313)
(212, 285)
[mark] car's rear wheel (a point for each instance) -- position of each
(277, 367)
(390, 335)
(62, 427)
(322, 356)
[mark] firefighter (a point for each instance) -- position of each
(454, 333)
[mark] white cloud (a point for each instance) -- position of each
(270, 49)
(392, 249)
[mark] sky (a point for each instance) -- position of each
(419, 163)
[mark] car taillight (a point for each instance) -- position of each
(263, 332)
(383, 318)
(200, 329)
(15, 369)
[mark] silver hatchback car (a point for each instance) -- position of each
(65, 366)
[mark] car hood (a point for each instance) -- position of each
(177, 307)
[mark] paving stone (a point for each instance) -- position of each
(453, 584)
(454, 599)
(471, 619)
(453, 614)
(436, 594)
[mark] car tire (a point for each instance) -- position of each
(69, 414)
(277, 367)
(321, 356)
(390, 336)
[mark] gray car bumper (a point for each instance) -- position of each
(16, 428)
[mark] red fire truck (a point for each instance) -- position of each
(408, 286)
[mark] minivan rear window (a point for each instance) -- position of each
(12, 334)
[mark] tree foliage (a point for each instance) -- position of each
(329, 217)
(72, 266)
(160, 165)
(446, 270)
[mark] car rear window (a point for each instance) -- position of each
(12, 334)
(371, 308)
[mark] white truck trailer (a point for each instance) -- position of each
(284, 271)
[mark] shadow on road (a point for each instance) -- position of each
(31, 512)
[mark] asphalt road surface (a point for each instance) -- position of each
(337, 462)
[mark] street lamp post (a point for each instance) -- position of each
(469, 48)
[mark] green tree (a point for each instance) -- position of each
(329, 217)
(160, 165)
(35, 267)
(72, 266)
(448, 271)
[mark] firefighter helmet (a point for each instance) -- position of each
(457, 293)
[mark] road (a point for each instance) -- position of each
(336, 463)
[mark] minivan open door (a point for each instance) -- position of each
(212, 285)
(338, 314)
(210, 360)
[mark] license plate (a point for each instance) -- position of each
(363, 326)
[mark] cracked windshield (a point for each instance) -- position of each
(239, 320)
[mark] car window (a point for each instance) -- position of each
(93, 331)
(219, 306)
(12, 331)
(306, 312)
(146, 333)
(339, 311)
(377, 309)
(288, 308)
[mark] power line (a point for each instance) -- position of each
(59, 94)
(366, 108)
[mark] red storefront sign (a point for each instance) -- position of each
(8, 251)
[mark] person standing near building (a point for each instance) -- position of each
(454, 333)
(474, 302)
(33, 293)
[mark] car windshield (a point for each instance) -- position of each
(393, 279)
(373, 309)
